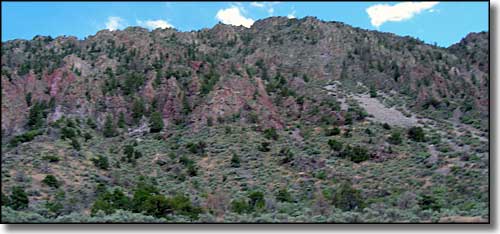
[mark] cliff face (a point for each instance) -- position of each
(215, 71)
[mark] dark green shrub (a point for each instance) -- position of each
(347, 198)
(271, 134)
(28, 99)
(283, 195)
(51, 181)
(132, 83)
(138, 109)
(182, 205)
(395, 138)
(101, 162)
(109, 202)
(121, 120)
(386, 126)
(335, 145)
(109, 129)
(156, 122)
(196, 148)
(192, 170)
(75, 144)
(356, 154)
(240, 206)
(68, 133)
(37, 114)
(286, 155)
(235, 160)
(87, 136)
(18, 199)
(416, 134)
(428, 202)
(373, 92)
(256, 200)
(332, 131)
(51, 158)
(25, 137)
(5, 200)
(91, 123)
(264, 146)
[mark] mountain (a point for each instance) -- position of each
(289, 120)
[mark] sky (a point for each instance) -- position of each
(443, 23)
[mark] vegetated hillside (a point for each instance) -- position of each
(291, 120)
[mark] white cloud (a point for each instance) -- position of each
(381, 13)
(268, 6)
(258, 4)
(114, 23)
(291, 15)
(153, 24)
(233, 16)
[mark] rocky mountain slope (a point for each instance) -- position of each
(280, 122)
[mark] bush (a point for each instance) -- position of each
(18, 199)
(182, 205)
(121, 120)
(109, 129)
(287, 155)
(335, 145)
(235, 160)
(198, 148)
(373, 92)
(256, 200)
(75, 144)
(132, 83)
(395, 138)
(109, 202)
(428, 202)
(356, 154)
(5, 200)
(91, 123)
(283, 195)
(264, 146)
(37, 114)
(386, 126)
(332, 131)
(138, 109)
(51, 181)
(271, 134)
(25, 137)
(68, 133)
(240, 206)
(156, 122)
(416, 134)
(101, 162)
(347, 198)
(192, 170)
(87, 136)
(51, 158)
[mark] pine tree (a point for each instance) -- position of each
(18, 199)
(121, 120)
(156, 122)
(109, 128)
(138, 109)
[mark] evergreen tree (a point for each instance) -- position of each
(156, 122)
(138, 109)
(109, 128)
(347, 198)
(121, 120)
(18, 199)
(235, 160)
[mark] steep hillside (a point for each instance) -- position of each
(290, 120)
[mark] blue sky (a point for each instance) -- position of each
(442, 22)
